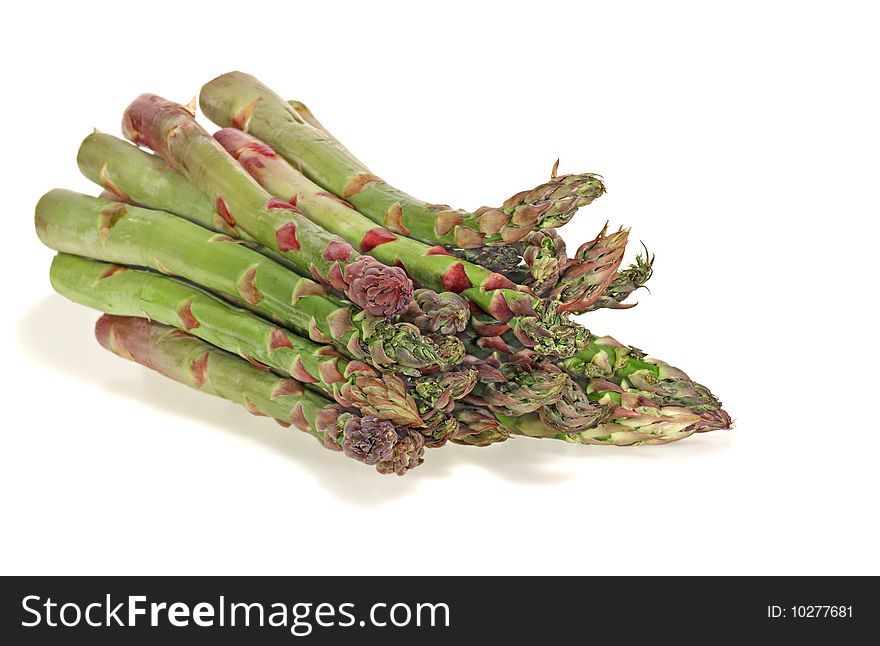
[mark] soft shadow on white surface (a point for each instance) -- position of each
(58, 335)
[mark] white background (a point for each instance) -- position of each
(740, 143)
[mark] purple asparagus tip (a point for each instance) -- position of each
(407, 453)
(368, 439)
(378, 289)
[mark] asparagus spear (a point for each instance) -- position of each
(146, 180)
(171, 131)
(543, 251)
(536, 323)
(499, 258)
(188, 360)
(543, 254)
(239, 100)
(134, 176)
(130, 292)
(128, 235)
(504, 258)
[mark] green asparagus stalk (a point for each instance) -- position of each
(116, 289)
(144, 179)
(172, 132)
(134, 176)
(138, 177)
(538, 324)
(190, 361)
(563, 210)
(306, 114)
(128, 235)
(241, 101)
(543, 250)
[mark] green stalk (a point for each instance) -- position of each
(306, 114)
(241, 101)
(138, 177)
(116, 289)
(171, 131)
(190, 361)
(128, 235)
(542, 250)
(537, 323)
(146, 180)
(129, 174)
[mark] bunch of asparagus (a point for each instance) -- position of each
(266, 265)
